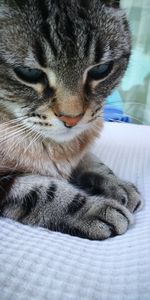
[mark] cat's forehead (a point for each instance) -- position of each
(55, 35)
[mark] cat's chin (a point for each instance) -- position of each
(65, 135)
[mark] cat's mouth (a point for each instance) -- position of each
(70, 121)
(59, 130)
(61, 127)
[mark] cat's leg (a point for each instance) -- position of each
(58, 205)
(97, 179)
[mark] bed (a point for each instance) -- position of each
(42, 265)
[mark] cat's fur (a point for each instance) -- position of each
(48, 177)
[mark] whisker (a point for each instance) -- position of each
(6, 132)
(95, 118)
(29, 132)
(126, 113)
(16, 120)
(12, 134)
(116, 121)
(17, 142)
(35, 138)
(135, 118)
(11, 128)
(124, 103)
(10, 149)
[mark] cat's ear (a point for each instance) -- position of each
(112, 3)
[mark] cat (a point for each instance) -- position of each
(59, 61)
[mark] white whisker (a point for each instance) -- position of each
(125, 114)
(124, 103)
(134, 118)
(16, 120)
(27, 133)
(9, 129)
(36, 137)
(11, 134)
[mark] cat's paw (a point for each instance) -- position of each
(133, 199)
(104, 218)
(125, 193)
(110, 186)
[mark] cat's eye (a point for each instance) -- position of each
(101, 71)
(29, 75)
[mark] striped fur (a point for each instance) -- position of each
(51, 112)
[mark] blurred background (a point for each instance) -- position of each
(131, 101)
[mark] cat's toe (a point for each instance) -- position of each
(135, 202)
(109, 219)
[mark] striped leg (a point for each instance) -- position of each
(96, 178)
(57, 205)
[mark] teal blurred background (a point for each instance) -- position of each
(133, 95)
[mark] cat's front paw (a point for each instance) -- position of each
(133, 197)
(104, 218)
(110, 186)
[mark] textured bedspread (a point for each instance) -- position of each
(42, 265)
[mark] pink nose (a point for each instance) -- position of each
(71, 121)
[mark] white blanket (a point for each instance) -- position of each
(36, 264)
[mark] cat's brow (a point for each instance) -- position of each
(87, 44)
(47, 35)
(43, 8)
(39, 52)
(98, 51)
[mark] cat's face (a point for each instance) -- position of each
(59, 60)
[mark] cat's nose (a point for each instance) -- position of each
(70, 121)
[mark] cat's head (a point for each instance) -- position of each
(59, 60)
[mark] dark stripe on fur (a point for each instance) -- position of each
(92, 183)
(48, 92)
(43, 8)
(85, 3)
(6, 183)
(112, 3)
(69, 27)
(51, 192)
(98, 52)
(137, 206)
(136, 189)
(110, 172)
(87, 44)
(2, 61)
(40, 53)
(17, 3)
(77, 203)
(46, 33)
(28, 203)
(94, 113)
(92, 120)
(57, 19)
(82, 13)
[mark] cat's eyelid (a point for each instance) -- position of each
(38, 86)
(102, 62)
(51, 77)
(85, 75)
(28, 66)
(105, 61)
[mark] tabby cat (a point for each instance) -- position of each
(59, 60)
